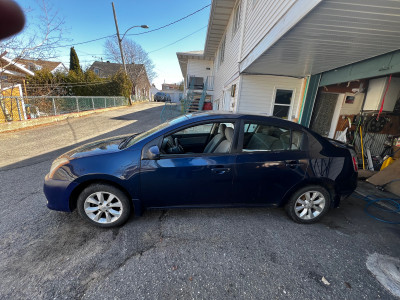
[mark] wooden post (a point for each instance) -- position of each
(18, 107)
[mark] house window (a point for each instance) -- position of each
(96, 71)
(236, 19)
(222, 51)
(4, 77)
(282, 103)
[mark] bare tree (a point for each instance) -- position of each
(134, 54)
(39, 40)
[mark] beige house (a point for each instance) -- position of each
(137, 73)
(15, 71)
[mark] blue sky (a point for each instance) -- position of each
(91, 19)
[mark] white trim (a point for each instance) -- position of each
(22, 101)
(243, 24)
(236, 21)
(336, 114)
(294, 15)
(19, 66)
(291, 101)
(10, 72)
(238, 93)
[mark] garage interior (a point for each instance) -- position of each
(366, 114)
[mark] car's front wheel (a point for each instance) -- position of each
(103, 205)
(308, 204)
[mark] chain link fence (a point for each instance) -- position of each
(22, 108)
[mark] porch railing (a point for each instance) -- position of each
(199, 82)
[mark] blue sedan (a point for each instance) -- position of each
(204, 160)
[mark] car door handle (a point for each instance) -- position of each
(291, 163)
(220, 171)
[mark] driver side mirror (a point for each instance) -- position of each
(153, 153)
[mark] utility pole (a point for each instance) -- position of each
(120, 48)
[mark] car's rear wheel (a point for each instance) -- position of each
(308, 204)
(103, 205)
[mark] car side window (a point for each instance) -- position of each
(250, 127)
(213, 137)
(204, 128)
(297, 140)
(261, 137)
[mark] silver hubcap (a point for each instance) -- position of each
(103, 207)
(309, 205)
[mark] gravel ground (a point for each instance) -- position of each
(172, 254)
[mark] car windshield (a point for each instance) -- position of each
(143, 135)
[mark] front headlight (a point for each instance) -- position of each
(59, 162)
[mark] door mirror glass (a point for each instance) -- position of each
(153, 153)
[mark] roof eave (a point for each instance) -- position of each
(220, 13)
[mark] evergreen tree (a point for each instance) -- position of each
(74, 62)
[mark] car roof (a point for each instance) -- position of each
(229, 115)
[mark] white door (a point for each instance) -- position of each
(227, 100)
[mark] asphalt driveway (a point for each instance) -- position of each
(172, 254)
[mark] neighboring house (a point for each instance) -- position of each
(14, 71)
(137, 73)
(278, 57)
(35, 65)
(169, 86)
(173, 90)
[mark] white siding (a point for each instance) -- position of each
(227, 72)
(334, 34)
(198, 68)
(257, 93)
(260, 19)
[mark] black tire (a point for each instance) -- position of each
(295, 209)
(119, 204)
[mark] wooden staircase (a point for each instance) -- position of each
(194, 106)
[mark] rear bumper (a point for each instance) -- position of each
(345, 189)
(58, 193)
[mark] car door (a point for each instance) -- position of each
(188, 179)
(272, 159)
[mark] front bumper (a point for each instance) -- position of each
(58, 193)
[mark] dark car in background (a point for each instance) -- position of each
(204, 160)
(162, 97)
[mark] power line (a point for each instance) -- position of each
(177, 40)
(145, 32)
(88, 54)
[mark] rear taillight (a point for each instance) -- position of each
(355, 165)
(354, 159)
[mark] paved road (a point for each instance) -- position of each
(173, 254)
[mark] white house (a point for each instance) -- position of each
(197, 70)
(276, 57)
